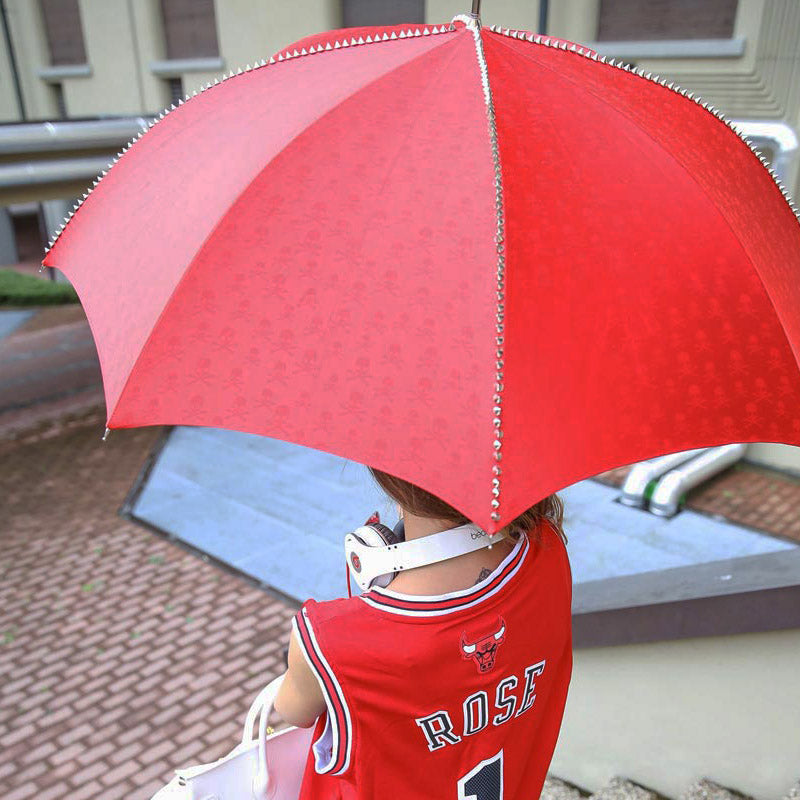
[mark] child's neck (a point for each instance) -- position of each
(417, 527)
(452, 575)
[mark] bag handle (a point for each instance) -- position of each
(263, 703)
(266, 697)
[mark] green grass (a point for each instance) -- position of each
(17, 289)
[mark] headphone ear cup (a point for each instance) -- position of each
(385, 535)
(375, 534)
(400, 531)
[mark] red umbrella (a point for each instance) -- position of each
(488, 262)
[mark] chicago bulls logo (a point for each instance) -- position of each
(485, 649)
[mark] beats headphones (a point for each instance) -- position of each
(375, 553)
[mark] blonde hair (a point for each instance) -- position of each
(424, 504)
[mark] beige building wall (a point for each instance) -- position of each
(271, 26)
(30, 45)
(248, 32)
(521, 14)
(666, 713)
(125, 38)
(148, 32)
(114, 86)
(8, 98)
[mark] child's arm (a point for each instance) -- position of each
(299, 700)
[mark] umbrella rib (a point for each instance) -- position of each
(497, 399)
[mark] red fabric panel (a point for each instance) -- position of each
(204, 153)
(345, 300)
(636, 322)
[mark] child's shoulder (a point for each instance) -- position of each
(339, 607)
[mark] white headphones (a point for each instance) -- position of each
(375, 553)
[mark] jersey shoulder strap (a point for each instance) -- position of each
(314, 625)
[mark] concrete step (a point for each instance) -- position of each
(557, 789)
(794, 792)
(619, 788)
(704, 789)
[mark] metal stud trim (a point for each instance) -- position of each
(573, 48)
(474, 26)
(426, 30)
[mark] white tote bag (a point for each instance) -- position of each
(267, 768)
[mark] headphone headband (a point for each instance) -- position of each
(372, 560)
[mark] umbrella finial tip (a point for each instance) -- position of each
(105, 435)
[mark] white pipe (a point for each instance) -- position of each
(642, 473)
(33, 173)
(779, 136)
(675, 483)
(42, 136)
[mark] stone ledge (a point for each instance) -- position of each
(738, 595)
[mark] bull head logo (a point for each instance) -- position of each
(485, 649)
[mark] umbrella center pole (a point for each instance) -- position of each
(472, 22)
(471, 19)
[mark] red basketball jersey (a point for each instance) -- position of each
(459, 695)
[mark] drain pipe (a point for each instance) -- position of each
(642, 474)
(21, 174)
(777, 136)
(39, 137)
(675, 483)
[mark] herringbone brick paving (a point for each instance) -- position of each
(122, 656)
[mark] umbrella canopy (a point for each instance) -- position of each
(485, 261)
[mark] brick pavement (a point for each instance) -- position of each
(123, 655)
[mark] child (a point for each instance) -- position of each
(451, 682)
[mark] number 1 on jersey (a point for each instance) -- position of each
(484, 782)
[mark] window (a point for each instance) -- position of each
(381, 12)
(61, 105)
(626, 20)
(190, 28)
(175, 90)
(62, 24)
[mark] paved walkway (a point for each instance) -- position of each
(123, 655)
(49, 369)
(11, 319)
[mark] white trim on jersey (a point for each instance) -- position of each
(331, 735)
(471, 596)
